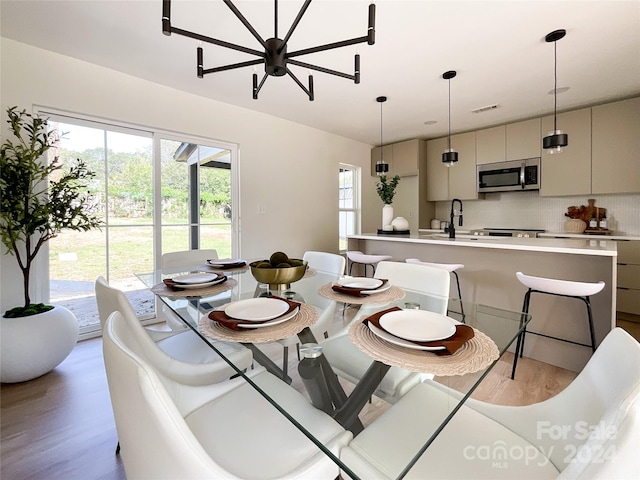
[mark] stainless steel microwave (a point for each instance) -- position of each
(512, 176)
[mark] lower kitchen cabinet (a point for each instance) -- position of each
(628, 295)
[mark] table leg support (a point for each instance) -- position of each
(267, 363)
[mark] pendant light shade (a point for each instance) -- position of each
(381, 167)
(449, 156)
(556, 139)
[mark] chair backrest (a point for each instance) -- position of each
(156, 441)
(325, 262)
(420, 279)
(187, 258)
(111, 300)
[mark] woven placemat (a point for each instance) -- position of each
(306, 317)
(476, 354)
(394, 293)
(164, 291)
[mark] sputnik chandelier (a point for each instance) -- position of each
(275, 56)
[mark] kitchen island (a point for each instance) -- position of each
(489, 277)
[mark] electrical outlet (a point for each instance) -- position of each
(262, 209)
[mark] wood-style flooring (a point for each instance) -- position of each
(60, 426)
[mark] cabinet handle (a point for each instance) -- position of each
(623, 288)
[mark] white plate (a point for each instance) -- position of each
(195, 278)
(399, 341)
(256, 309)
(275, 321)
(360, 282)
(194, 286)
(418, 325)
(384, 288)
(225, 261)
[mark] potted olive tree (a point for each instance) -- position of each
(37, 200)
(386, 191)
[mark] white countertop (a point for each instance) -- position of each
(584, 245)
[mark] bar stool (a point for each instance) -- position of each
(560, 288)
(366, 260)
(449, 267)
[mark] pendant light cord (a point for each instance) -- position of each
(555, 85)
(449, 139)
(381, 133)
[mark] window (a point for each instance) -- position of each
(348, 203)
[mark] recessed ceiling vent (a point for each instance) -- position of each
(485, 109)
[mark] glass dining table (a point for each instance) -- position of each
(495, 330)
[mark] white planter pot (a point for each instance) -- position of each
(387, 215)
(35, 345)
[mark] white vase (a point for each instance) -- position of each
(387, 215)
(34, 345)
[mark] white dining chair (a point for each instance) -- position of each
(184, 346)
(449, 267)
(175, 262)
(322, 262)
(351, 364)
(590, 430)
(170, 429)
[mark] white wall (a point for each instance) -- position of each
(291, 168)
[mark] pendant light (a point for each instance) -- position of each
(449, 156)
(381, 167)
(556, 139)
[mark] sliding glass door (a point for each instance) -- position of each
(181, 201)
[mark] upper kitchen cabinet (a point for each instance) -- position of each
(615, 161)
(457, 181)
(462, 175)
(523, 139)
(491, 145)
(569, 172)
(437, 173)
(403, 157)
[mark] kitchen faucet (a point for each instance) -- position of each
(452, 228)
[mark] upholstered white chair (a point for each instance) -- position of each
(589, 430)
(188, 351)
(172, 430)
(449, 267)
(350, 363)
(323, 262)
(562, 288)
(174, 262)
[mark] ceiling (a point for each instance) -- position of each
(497, 48)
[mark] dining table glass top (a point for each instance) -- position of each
(459, 374)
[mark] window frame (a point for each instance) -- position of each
(356, 208)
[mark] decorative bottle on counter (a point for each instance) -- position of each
(593, 223)
(603, 222)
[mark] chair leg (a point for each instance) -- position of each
(118, 449)
(590, 317)
(520, 342)
(460, 296)
(298, 350)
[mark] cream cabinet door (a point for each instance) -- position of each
(462, 175)
(569, 172)
(523, 139)
(437, 173)
(406, 156)
(616, 147)
(491, 145)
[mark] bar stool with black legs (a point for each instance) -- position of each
(366, 260)
(561, 288)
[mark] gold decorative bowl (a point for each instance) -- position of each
(278, 277)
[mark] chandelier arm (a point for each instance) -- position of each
(295, 79)
(245, 22)
(321, 69)
(256, 87)
(233, 66)
(214, 41)
(302, 11)
(328, 46)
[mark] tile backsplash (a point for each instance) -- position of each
(529, 210)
